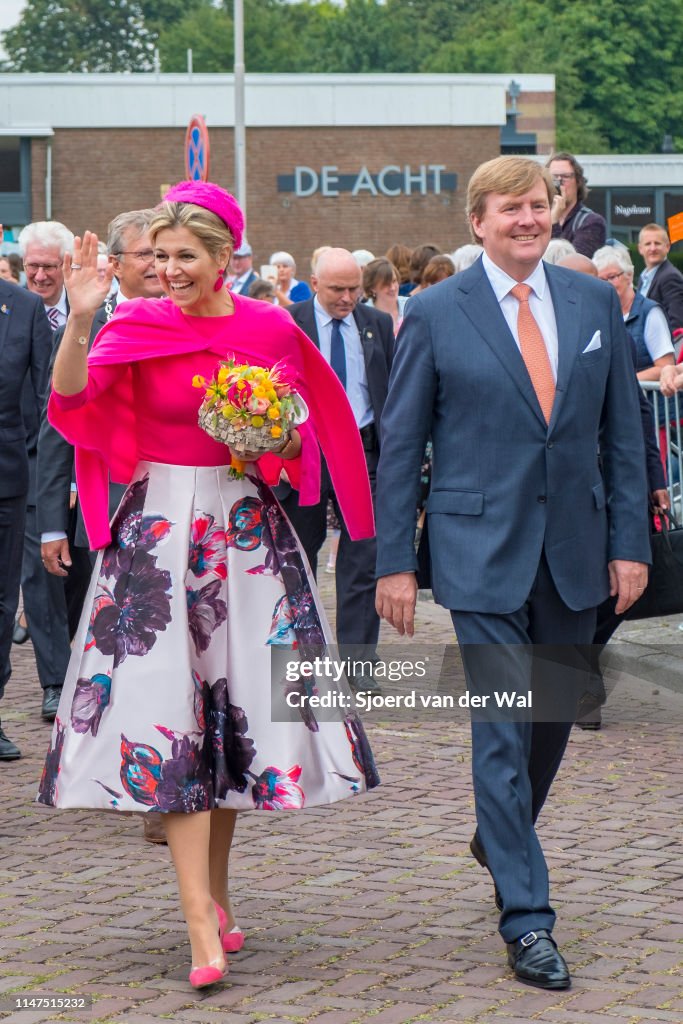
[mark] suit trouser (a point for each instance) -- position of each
(542, 647)
(357, 620)
(77, 582)
(607, 623)
(12, 519)
(45, 607)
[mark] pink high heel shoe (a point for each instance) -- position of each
(202, 977)
(233, 940)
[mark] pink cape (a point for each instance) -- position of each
(103, 430)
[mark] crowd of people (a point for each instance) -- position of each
(153, 585)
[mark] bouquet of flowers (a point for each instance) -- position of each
(248, 408)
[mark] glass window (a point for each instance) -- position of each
(10, 163)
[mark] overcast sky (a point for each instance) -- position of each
(10, 10)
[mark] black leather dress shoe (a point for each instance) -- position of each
(536, 960)
(8, 750)
(479, 854)
(364, 684)
(51, 695)
(20, 633)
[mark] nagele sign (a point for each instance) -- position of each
(392, 180)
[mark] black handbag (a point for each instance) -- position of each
(664, 592)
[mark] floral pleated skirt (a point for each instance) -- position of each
(166, 704)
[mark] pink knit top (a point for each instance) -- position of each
(139, 403)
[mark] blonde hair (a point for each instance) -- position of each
(211, 231)
(506, 175)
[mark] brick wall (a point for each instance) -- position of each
(537, 114)
(97, 173)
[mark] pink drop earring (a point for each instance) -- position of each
(219, 281)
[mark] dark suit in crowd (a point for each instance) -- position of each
(25, 346)
(55, 476)
(666, 288)
(357, 620)
(44, 595)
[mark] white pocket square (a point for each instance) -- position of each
(594, 344)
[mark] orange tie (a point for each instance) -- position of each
(534, 352)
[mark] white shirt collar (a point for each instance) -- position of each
(501, 282)
(326, 318)
(61, 304)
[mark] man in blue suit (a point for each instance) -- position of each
(25, 346)
(537, 510)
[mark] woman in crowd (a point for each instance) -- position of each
(558, 249)
(287, 288)
(399, 255)
(438, 269)
(644, 319)
(419, 259)
(167, 701)
(380, 287)
(6, 270)
(465, 256)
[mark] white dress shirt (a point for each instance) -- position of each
(239, 282)
(646, 279)
(540, 303)
(356, 378)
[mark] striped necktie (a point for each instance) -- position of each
(53, 317)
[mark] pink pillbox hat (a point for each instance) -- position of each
(210, 197)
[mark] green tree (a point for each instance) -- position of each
(609, 98)
(79, 35)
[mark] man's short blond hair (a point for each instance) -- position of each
(653, 227)
(506, 175)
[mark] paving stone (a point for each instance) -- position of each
(370, 911)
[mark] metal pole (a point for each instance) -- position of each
(48, 181)
(240, 135)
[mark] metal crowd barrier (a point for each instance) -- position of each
(667, 416)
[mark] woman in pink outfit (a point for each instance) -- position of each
(200, 578)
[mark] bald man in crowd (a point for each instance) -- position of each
(358, 342)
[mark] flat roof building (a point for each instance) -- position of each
(359, 160)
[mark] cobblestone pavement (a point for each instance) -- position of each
(372, 910)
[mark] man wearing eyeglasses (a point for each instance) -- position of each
(42, 246)
(571, 218)
(130, 251)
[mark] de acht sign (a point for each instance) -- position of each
(391, 180)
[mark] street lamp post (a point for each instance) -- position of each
(240, 135)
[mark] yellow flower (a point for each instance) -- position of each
(273, 413)
(275, 431)
(198, 381)
(271, 396)
(228, 412)
(241, 385)
(257, 421)
(259, 391)
(223, 374)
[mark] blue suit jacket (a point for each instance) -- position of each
(504, 484)
(25, 346)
